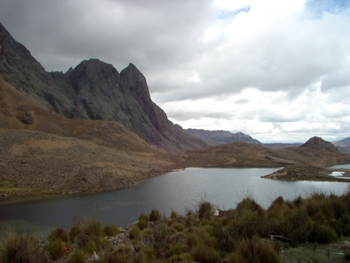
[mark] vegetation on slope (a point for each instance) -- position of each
(292, 231)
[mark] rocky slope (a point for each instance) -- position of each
(219, 137)
(93, 90)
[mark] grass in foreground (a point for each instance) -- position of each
(302, 231)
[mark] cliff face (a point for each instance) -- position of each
(93, 90)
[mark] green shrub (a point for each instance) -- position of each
(254, 251)
(58, 234)
(56, 249)
(111, 230)
(205, 210)
(154, 216)
(21, 248)
(77, 256)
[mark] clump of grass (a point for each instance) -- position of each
(205, 254)
(154, 216)
(205, 210)
(173, 214)
(111, 230)
(179, 227)
(143, 221)
(58, 234)
(22, 248)
(249, 204)
(77, 256)
(56, 249)
(74, 232)
(322, 234)
(134, 232)
(94, 228)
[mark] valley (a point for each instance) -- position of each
(93, 129)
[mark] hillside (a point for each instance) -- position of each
(93, 90)
(219, 137)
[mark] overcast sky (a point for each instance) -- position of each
(278, 70)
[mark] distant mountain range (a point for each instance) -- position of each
(219, 137)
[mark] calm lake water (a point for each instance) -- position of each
(177, 191)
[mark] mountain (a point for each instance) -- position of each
(93, 90)
(219, 137)
(343, 146)
(315, 152)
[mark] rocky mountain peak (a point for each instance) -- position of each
(317, 143)
(93, 90)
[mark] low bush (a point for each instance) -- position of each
(205, 254)
(254, 250)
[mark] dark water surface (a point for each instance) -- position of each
(177, 191)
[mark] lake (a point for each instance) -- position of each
(179, 191)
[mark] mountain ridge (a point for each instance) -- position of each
(93, 90)
(218, 137)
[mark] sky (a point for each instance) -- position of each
(278, 70)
